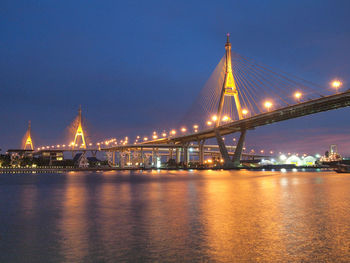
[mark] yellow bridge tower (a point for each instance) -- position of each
(79, 132)
(229, 89)
(229, 85)
(28, 145)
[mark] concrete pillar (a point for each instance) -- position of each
(178, 155)
(185, 155)
(239, 148)
(170, 153)
(113, 158)
(142, 157)
(223, 150)
(201, 151)
(122, 159)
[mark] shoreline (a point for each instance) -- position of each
(97, 169)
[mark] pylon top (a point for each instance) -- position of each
(228, 44)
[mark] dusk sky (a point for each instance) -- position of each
(137, 66)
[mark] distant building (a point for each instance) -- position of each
(80, 160)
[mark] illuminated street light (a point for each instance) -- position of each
(195, 126)
(173, 132)
(268, 105)
(336, 84)
(164, 134)
(183, 129)
(145, 139)
(225, 118)
(214, 118)
(155, 136)
(297, 95)
(244, 112)
(209, 123)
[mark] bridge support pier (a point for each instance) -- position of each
(113, 158)
(185, 155)
(201, 151)
(236, 160)
(170, 154)
(223, 150)
(178, 156)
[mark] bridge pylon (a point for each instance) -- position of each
(229, 89)
(28, 144)
(79, 132)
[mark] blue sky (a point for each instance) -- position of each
(136, 66)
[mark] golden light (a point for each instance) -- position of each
(297, 95)
(336, 83)
(145, 139)
(214, 118)
(268, 105)
(183, 129)
(244, 112)
(225, 118)
(195, 126)
(209, 123)
(154, 136)
(173, 132)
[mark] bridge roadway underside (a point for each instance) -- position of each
(326, 103)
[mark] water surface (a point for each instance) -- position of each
(175, 216)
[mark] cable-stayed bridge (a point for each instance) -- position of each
(240, 95)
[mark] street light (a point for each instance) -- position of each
(244, 112)
(297, 95)
(336, 84)
(268, 105)
(225, 118)
(209, 123)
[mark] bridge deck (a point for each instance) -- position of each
(326, 103)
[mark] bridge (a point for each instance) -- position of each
(233, 98)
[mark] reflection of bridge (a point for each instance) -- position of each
(236, 92)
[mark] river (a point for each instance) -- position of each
(175, 216)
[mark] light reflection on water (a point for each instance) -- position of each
(175, 216)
